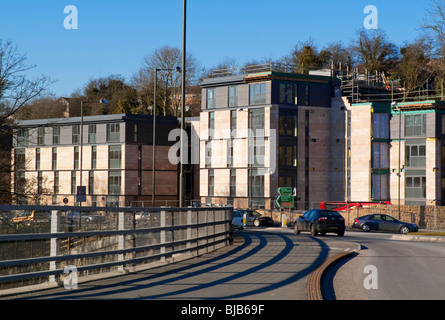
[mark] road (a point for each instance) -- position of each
(262, 264)
(397, 270)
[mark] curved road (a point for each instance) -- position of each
(395, 270)
(262, 264)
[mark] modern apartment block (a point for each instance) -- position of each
(264, 130)
(114, 161)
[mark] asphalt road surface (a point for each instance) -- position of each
(262, 264)
(388, 269)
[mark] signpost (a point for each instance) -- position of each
(81, 194)
(284, 199)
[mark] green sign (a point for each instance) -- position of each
(284, 190)
(284, 201)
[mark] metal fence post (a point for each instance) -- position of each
(54, 245)
(121, 238)
(162, 234)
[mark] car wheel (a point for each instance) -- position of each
(296, 231)
(341, 234)
(313, 231)
(256, 223)
(366, 228)
(404, 230)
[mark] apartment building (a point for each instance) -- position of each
(114, 161)
(264, 130)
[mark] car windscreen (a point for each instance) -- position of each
(329, 214)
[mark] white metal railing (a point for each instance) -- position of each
(116, 236)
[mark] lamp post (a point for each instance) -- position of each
(399, 173)
(181, 170)
(178, 69)
(102, 101)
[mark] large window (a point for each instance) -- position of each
(380, 127)
(41, 136)
(380, 158)
(257, 93)
(54, 160)
(211, 124)
(256, 183)
(415, 187)
(211, 182)
(113, 132)
(233, 183)
(288, 93)
(92, 133)
(114, 157)
(211, 98)
(415, 125)
(415, 155)
(114, 182)
(76, 134)
(56, 135)
(76, 158)
(233, 96)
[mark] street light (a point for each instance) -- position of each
(395, 107)
(101, 101)
(177, 69)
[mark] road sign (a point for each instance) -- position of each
(81, 194)
(284, 190)
(284, 201)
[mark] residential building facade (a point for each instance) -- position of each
(114, 160)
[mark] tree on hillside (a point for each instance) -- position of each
(169, 80)
(373, 49)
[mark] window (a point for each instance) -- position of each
(114, 182)
(92, 133)
(211, 98)
(211, 124)
(288, 125)
(135, 132)
(93, 157)
(211, 182)
(257, 93)
(22, 137)
(37, 158)
(233, 96)
(415, 125)
(91, 182)
(56, 182)
(76, 134)
(39, 183)
(380, 128)
(233, 122)
(415, 187)
(380, 185)
(229, 153)
(114, 157)
(76, 158)
(113, 132)
(288, 93)
(54, 160)
(73, 182)
(56, 135)
(288, 156)
(415, 156)
(41, 136)
(380, 158)
(256, 183)
(233, 183)
(208, 158)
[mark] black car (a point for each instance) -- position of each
(383, 222)
(320, 221)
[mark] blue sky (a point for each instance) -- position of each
(113, 36)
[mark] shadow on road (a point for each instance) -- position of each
(218, 268)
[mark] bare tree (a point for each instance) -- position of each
(169, 80)
(16, 90)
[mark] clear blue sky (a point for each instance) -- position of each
(113, 36)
